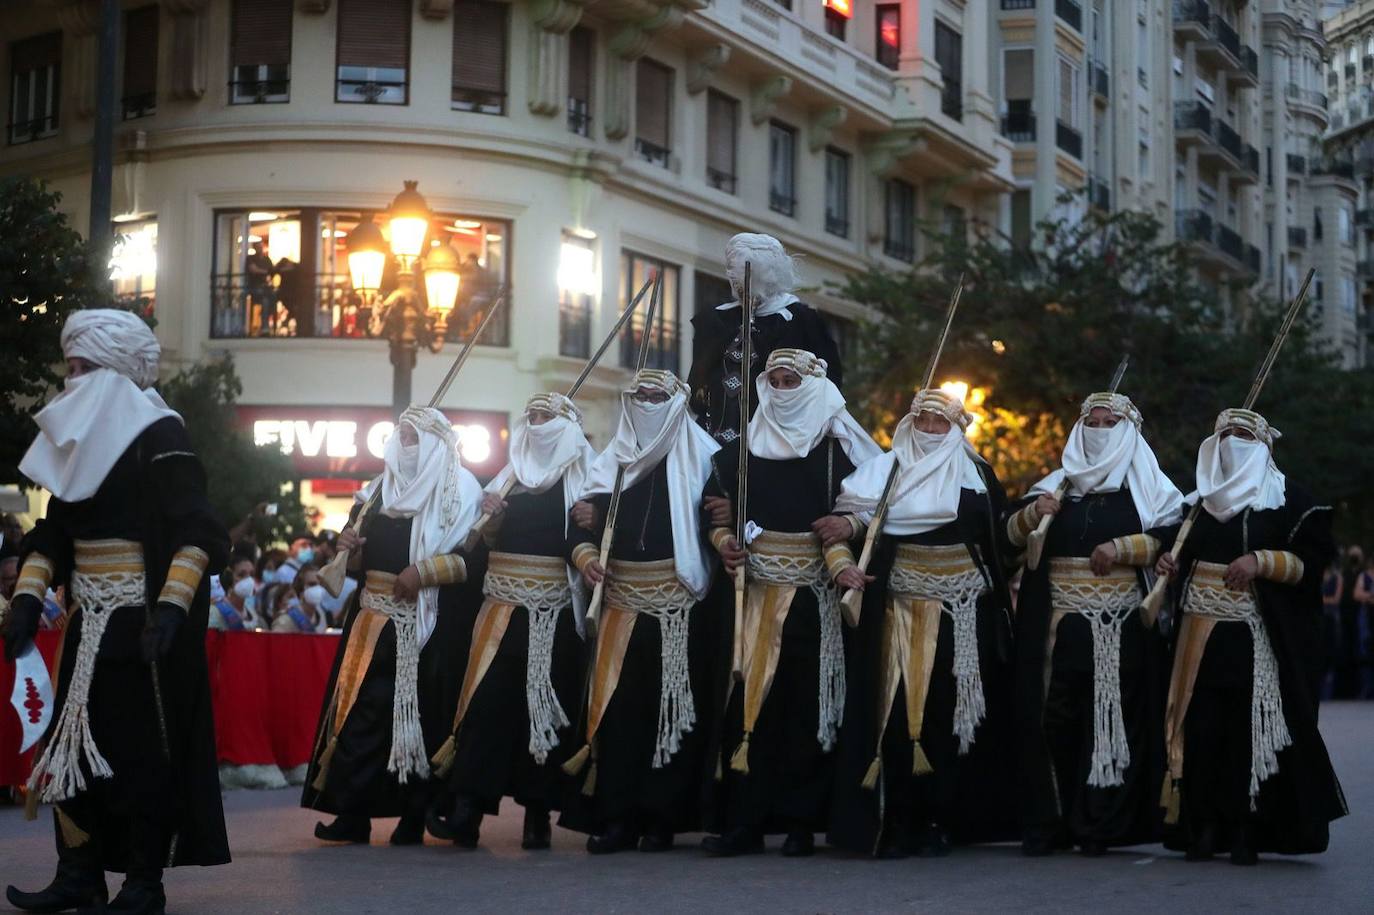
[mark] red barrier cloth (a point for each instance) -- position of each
(14, 766)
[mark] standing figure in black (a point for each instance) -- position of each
(130, 763)
(1248, 662)
(780, 320)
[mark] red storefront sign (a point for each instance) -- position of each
(350, 441)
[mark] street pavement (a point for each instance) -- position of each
(279, 867)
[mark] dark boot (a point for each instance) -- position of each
(799, 844)
(1037, 843)
(934, 843)
(80, 881)
(656, 838)
(1092, 848)
(618, 836)
(410, 830)
(895, 844)
(141, 894)
(1243, 851)
(465, 822)
(1203, 845)
(537, 834)
(742, 840)
(348, 828)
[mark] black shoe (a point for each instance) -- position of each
(65, 893)
(896, 844)
(1093, 848)
(465, 822)
(409, 831)
(137, 897)
(1243, 852)
(352, 829)
(1037, 845)
(437, 825)
(656, 839)
(739, 841)
(537, 834)
(616, 837)
(1203, 847)
(799, 845)
(934, 843)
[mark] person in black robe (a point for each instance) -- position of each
(513, 726)
(925, 756)
(1247, 670)
(130, 762)
(780, 320)
(645, 714)
(1090, 669)
(390, 697)
(786, 685)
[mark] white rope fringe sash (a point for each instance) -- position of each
(408, 755)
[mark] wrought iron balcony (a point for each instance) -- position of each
(1193, 225)
(1070, 12)
(1297, 236)
(1068, 139)
(1098, 78)
(1099, 194)
(1297, 165)
(1019, 126)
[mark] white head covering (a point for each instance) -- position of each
(1105, 460)
(933, 468)
(1235, 473)
(85, 429)
(545, 454)
(771, 279)
(790, 424)
(429, 484)
(646, 435)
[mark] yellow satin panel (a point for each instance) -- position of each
(911, 631)
(611, 641)
(765, 613)
(487, 632)
(1192, 642)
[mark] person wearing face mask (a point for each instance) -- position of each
(513, 727)
(780, 724)
(129, 534)
(302, 612)
(923, 757)
(647, 710)
(780, 320)
(302, 554)
(1089, 705)
(387, 705)
(1247, 669)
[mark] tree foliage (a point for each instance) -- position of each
(1039, 329)
(47, 270)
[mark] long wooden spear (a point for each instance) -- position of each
(1150, 606)
(746, 302)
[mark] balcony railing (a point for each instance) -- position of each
(1332, 79)
(1230, 243)
(1251, 161)
(1365, 218)
(1297, 165)
(785, 204)
(1068, 139)
(652, 152)
(1098, 78)
(1249, 61)
(1226, 36)
(1192, 16)
(575, 326)
(721, 181)
(901, 250)
(141, 105)
(1367, 63)
(1340, 168)
(1193, 116)
(1365, 270)
(1070, 12)
(1099, 194)
(1229, 140)
(1193, 225)
(1253, 263)
(1297, 236)
(1019, 126)
(837, 225)
(1018, 4)
(1349, 71)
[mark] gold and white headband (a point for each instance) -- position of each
(1250, 421)
(803, 362)
(1119, 404)
(934, 400)
(555, 404)
(429, 419)
(658, 379)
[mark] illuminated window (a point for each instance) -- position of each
(133, 264)
(577, 286)
(889, 43)
(663, 351)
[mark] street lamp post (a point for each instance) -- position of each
(407, 322)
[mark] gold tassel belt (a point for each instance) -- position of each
(935, 572)
(1209, 596)
(524, 580)
(647, 587)
(377, 595)
(109, 574)
(786, 558)
(1076, 588)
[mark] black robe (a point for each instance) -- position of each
(790, 775)
(628, 788)
(715, 399)
(358, 783)
(972, 797)
(1056, 725)
(492, 750)
(155, 495)
(1294, 805)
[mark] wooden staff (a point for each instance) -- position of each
(1035, 543)
(852, 599)
(332, 575)
(746, 303)
(1150, 606)
(586, 372)
(613, 510)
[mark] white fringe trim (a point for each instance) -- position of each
(407, 757)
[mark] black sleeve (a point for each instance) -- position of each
(823, 344)
(50, 538)
(578, 535)
(1310, 537)
(997, 501)
(179, 490)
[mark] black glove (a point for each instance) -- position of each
(161, 631)
(21, 624)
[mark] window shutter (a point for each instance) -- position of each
(653, 102)
(36, 53)
(374, 33)
(479, 46)
(722, 120)
(261, 33)
(140, 51)
(580, 64)
(1019, 75)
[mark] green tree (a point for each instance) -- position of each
(241, 474)
(1040, 328)
(47, 270)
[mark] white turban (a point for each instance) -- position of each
(113, 339)
(772, 277)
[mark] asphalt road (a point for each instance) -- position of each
(279, 867)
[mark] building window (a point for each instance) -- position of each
(949, 54)
(1316, 223)
(260, 52)
(373, 52)
(953, 222)
(1344, 226)
(899, 220)
(653, 111)
(35, 87)
(837, 192)
(133, 265)
(581, 64)
(782, 169)
(1067, 91)
(284, 273)
(1142, 50)
(835, 23)
(1018, 88)
(140, 63)
(1021, 222)
(576, 290)
(479, 57)
(663, 347)
(889, 38)
(722, 140)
